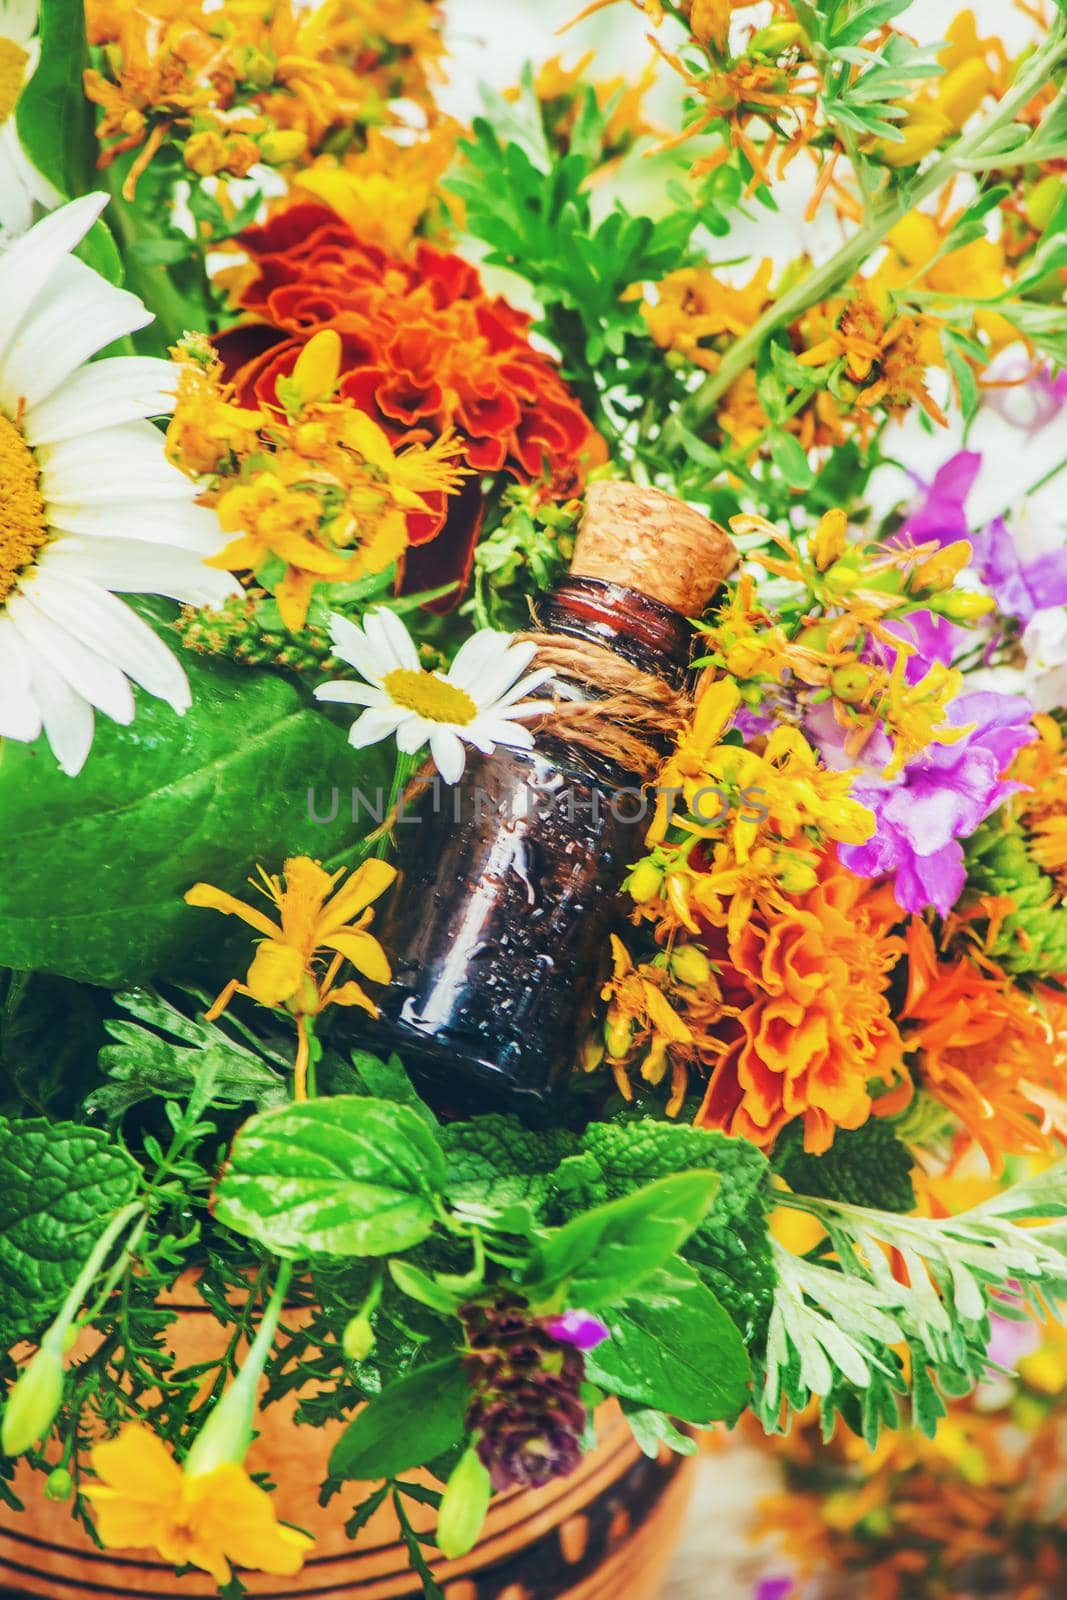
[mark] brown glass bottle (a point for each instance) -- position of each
(509, 882)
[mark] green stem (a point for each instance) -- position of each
(97, 1256)
(854, 252)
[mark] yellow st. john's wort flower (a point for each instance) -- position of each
(201, 1519)
(296, 964)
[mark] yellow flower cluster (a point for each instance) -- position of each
(315, 495)
(262, 81)
(846, 597)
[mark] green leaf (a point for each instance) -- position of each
(789, 457)
(494, 1162)
(53, 117)
(603, 1255)
(652, 1428)
(867, 1166)
(388, 1080)
(96, 866)
(411, 1422)
(59, 1185)
(143, 1064)
(419, 1286)
(673, 1348)
(731, 1248)
(345, 1176)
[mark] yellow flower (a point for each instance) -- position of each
(314, 923)
(953, 100)
(639, 1014)
(207, 1520)
(693, 305)
(687, 768)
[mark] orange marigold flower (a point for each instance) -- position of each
(983, 1048)
(814, 1033)
(424, 350)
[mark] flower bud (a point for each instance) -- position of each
(59, 1485)
(463, 1506)
(318, 366)
(829, 540)
(1042, 199)
(690, 965)
(618, 1036)
(850, 684)
(962, 605)
(35, 1398)
(357, 1340)
(774, 39)
(644, 882)
(282, 145)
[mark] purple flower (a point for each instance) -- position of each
(939, 799)
(1019, 588)
(579, 1328)
(774, 1589)
(933, 639)
(940, 516)
(1027, 405)
(1010, 1340)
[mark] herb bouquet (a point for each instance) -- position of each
(283, 466)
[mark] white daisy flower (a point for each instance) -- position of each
(90, 507)
(21, 185)
(477, 702)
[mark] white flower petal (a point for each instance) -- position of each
(172, 522)
(499, 678)
(352, 645)
(67, 717)
(533, 680)
(448, 753)
(88, 674)
(482, 652)
(111, 466)
(498, 730)
(80, 314)
(28, 265)
(126, 566)
(116, 633)
(103, 394)
(375, 724)
(413, 731)
(390, 637)
(352, 694)
(20, 717)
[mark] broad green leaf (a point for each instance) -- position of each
(53, 117)
(60, 1183)
(673, 1348)
(344, 1176)
(411, 1422)
(388, 1080)
(95, 866)
(604, 1254)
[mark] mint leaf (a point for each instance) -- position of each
(59, 1185)
(866, 1166)
(96, 866)
(413, 1421)
(673, 1348)
(388, 1080)
(495, 1162)
(603, 1255)
(731, 1248)
(345, 1176)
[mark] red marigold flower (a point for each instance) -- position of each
(425, 349)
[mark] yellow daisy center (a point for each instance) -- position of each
(23, 521)
(13, 61)
(431, 697)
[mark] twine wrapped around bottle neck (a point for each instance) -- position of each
(632, 714)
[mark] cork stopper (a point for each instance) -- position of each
(649, 541)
